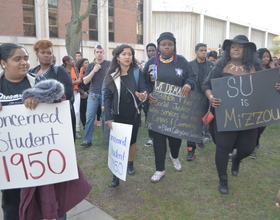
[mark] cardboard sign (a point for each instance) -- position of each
(36, 146)
(119, 144)
(175, 115)
(248, 101)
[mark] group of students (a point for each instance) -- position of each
(239, 57)
(123, 98)
(15, 80)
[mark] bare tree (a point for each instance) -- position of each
(74, 27)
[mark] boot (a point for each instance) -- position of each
(234, 165)
(223, 186)
(130, 168)
(115, 182)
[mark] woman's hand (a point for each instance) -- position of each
(185, 89)
(110, 125)
(30, 103)
(141, 96)
(215, 102)
(277, 86)
(152, 99)
(271, 64)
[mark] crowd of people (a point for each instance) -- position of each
(109, 91)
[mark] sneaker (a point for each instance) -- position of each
(78, 136)
(200, 145)
(86, 144)
(206, 140)
(253, 155)
(150, 143)
(98, 123)
(190, 154)
(176, 163)
(157, 176)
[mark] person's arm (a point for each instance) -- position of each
(91, 73)
(64, 77)
(141, 92)
(190, 79)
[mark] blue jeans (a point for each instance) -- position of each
(93, 101)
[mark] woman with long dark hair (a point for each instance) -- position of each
(123, 97)
(239, 58)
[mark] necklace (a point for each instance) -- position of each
(166, 60)
(232, 66)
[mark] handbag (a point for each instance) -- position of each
(208, 117)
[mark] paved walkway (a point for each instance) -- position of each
(83, 211)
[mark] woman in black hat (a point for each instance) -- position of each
(239, 58)
(164, 65)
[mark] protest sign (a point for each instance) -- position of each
(119, 144)
(36, 146)
(175, 115)
(248, 101)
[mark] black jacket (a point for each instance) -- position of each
(111, 100)
(194, 66)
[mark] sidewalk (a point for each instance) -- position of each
(83, 211)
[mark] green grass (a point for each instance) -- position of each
(191, 194)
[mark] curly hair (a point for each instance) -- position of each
(260, 53)
(42, 44)
(249, 60)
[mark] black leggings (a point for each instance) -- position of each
(160, 148)
(226, 141)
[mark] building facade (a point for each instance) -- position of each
(113, 22)
(110, 23)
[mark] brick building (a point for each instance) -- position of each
(110, 23)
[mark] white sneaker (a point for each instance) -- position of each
(157, 176)
(176, 163)
(150, 143)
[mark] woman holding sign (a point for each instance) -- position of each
(15, 88)
(239, 58)
(174, 69)
(124, 95)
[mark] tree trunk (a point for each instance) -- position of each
(74, 27)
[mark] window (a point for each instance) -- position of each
(93, 22)
(53, 26)
(111, 20)
(139, 26)
(29, 28)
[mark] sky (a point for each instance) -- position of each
(260, 14)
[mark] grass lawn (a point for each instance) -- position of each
(191, 194)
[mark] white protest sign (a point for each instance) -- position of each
(36, 146)
(119, 143)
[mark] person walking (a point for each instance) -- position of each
(94, 75)
(124, 93)
(238, 59)
(201, 67)
(167, 66)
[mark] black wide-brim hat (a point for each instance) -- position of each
(239, 39)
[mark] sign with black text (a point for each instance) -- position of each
(36, 146)
(248, 101)
(175, 115)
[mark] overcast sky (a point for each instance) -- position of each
(261, 14)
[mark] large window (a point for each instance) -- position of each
(53, 25)
(111, 20)
(139, 30)
(93, 22)
(29, 27)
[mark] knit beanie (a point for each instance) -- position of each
(166, 36)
